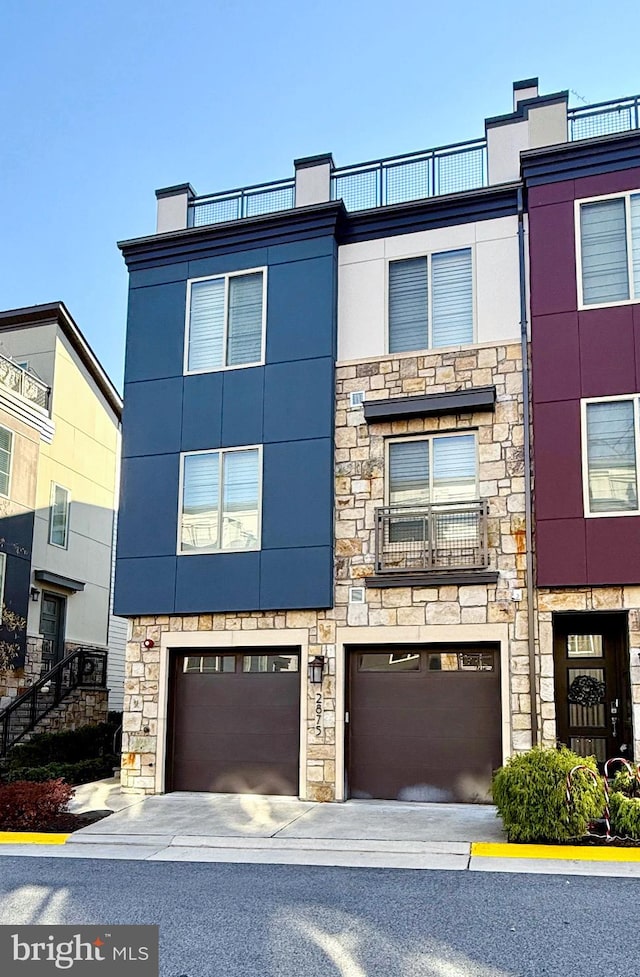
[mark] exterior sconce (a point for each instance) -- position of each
(34, 593)
(148, 643)
(315, 668)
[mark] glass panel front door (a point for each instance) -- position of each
(52, 630)
(592, 702)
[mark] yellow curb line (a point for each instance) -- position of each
(31, 838)
(577, 853)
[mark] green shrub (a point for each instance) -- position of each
(33, 807)
(83, 772)
(625, 783)
(68, 746)
(530, 794)
(625, 816)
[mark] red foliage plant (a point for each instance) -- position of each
(29, 806)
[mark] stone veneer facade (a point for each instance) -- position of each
(474, 611)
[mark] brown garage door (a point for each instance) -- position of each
(235, 722)
(424, 722)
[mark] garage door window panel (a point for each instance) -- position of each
(209, 664)
(271, 664)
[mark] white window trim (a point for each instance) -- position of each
(54, 486)
(12, 433)
(635, 397)
(429, 255)
(626, 196)
(220, 451)
(226, 276)
(429, 437)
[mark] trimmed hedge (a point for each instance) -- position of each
(68, 746)
(83, 772)
(30, 806)
(530, 794)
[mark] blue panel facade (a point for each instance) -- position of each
(16, 542)
(287, 405)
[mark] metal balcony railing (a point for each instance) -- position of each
(264, 198)
(440, 536)
(21, 381)
(399, 179)
(604, 118)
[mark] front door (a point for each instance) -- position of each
(52, 630)
(591, 688)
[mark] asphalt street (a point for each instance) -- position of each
(292, 921)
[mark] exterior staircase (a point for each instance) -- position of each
(83, 668)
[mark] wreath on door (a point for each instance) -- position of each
(586, 691)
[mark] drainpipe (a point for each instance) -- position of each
(524, 346)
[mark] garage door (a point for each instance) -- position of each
(424, 723)
(235, 722)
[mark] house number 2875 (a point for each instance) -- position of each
(318, 714)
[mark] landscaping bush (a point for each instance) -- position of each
(27, 806)
(625, 783)
(530, 794)
(68, 746)
(83, 772)
(625, 816)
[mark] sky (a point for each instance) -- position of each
(104, 101)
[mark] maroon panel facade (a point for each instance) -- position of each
(575, 354)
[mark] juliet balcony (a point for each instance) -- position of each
(444, 542)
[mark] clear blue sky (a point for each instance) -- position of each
(103, 101)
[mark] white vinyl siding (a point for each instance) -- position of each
(431, 301)
(225, 322)
(610, 453)
(609, 250)
(220, 501)
(59, 516)
(6, 449)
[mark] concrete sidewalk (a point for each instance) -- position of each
(283, 830)
(190, 827)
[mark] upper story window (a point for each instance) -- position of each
(610, 429)
(431, 301)
(433, 469)
(226, 318)
(220, 501)
(59, 516)
(608, 242)
(6, 451)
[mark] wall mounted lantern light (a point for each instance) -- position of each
(315, 669)
(34, 593)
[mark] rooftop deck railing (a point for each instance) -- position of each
(604, 118)
(413, 176)
(15, 378)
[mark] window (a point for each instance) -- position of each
(438, 469)
(59, 515)
(6, 448)
(431, 301)
(608, 239)
(225, 322)
(220, 501)
(209, 664)
(610, 449)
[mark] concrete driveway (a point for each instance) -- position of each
(233, 827)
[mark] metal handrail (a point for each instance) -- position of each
(436, 536)
(75, 664)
